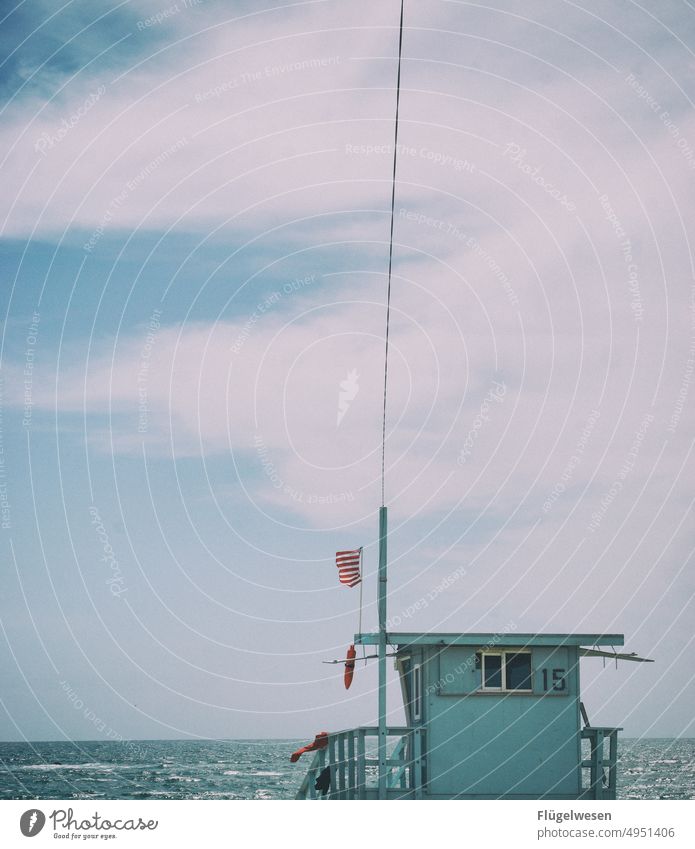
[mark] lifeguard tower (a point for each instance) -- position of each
(489, 716)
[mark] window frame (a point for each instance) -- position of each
(416, 699)
(483, 685)
(502, 653)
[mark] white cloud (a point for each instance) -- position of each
(540, 242)
(260, 114)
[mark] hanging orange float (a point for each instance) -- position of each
(350, 666)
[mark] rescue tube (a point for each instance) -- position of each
(350, 666)
(320, 742)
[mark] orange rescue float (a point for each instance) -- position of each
(350, 666)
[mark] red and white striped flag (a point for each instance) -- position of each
(348, 563)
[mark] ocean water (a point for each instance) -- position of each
(152, 769)
(256, 769)
(656, 769)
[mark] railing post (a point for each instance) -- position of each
(352, 766)
(361, 765)
(322, 765)
(310, 789)
(332, 764)
(341, 766)
(597, 764)
(613, 765)
(417, 763)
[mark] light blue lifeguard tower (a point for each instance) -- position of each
(489, 716)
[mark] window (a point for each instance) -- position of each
(417, 692)
(518, 670)
(506, 670)
(492, 671)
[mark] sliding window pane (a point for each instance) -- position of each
(492, 671)
(518, 671)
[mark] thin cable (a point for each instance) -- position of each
(388, 290)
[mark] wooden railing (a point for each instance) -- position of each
(602, 764)
(354, 766)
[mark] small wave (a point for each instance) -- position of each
(58, 767)
(251, 772)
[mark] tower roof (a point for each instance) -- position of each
(490, 640)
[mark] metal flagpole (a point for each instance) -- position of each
(382, 651)
(381, 597)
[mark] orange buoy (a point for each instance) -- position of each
(320, 742)
(350, 666)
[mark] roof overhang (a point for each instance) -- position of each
(491, 640)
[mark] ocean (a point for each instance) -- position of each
(256, 769)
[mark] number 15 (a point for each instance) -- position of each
(558, 680)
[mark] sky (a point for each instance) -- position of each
(194, 230)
